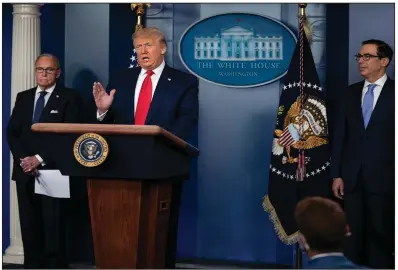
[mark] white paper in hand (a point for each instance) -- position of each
(52, 183)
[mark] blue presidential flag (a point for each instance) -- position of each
(300, 149)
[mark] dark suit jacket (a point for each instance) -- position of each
(369, 151)
(174, 105)
(22, 141)
(331, 262)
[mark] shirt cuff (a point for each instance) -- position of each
(40, 160)
(102, 116)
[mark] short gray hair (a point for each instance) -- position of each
(48, 55)
(150, 32)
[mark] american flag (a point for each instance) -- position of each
(134, 62)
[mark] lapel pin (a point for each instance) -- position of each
(169, 79)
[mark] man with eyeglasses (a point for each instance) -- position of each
(41, 217)
(363, 158)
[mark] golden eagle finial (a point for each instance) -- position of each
(140, 12)
(307, 27)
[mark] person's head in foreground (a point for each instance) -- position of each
(322, 232)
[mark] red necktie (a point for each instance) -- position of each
(144, 99)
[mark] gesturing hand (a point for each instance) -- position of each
(102, 100)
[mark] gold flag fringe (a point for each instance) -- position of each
(286, 239)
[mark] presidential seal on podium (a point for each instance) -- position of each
(91, 149)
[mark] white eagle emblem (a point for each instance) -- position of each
(90, 150)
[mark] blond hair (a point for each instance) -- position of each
(150, 32)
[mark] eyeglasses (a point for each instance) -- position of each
(48, 70)
(366, 56)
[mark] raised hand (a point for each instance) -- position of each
(103, 100)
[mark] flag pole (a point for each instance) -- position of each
(299, 259)
(300, 172)
(140, 12)
(301, 163)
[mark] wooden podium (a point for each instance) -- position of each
(130, 192)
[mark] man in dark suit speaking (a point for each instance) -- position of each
(363, 158)
(42, 218)
(152, 94)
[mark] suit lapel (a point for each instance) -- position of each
(31, 102)
(357, 104)
(160, 94)
(131, 84)
(382, 100)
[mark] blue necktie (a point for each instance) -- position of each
(39, 107)
(367, 106)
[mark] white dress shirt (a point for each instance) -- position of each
(322, 255)
(141, 77)
(46, 98)
(376, 91)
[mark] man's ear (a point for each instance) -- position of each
(385, 61)
(347, 230)
(163, 48)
